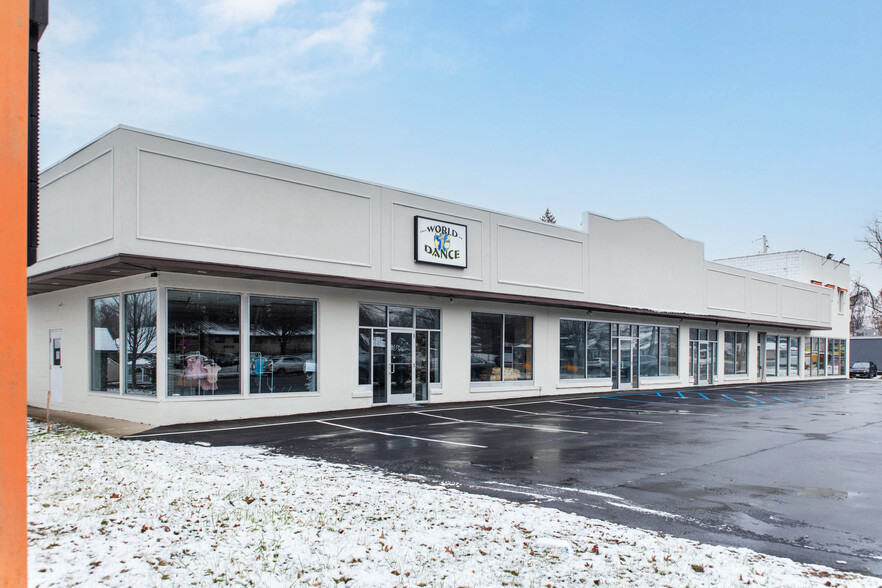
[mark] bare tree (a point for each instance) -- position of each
(866, 308)
(285, 323)
(140, 333)
(873, 237)
(872, 303)
(549, 218)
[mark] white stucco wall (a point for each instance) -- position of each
(179, 200)
(337, 352)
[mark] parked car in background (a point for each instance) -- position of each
(863, 369)
(290, 364)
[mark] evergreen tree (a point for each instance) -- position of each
(548, 217)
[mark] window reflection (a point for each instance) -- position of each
(105, 366)
(573, 349)
(486, 347)
(518, 335)
(649, 351)
(735, 352)
(203, 343)
(140, 345)
(283, 350)
(598, 350)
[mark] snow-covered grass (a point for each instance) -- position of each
(127, 513)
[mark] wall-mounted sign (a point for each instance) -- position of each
(439, 242)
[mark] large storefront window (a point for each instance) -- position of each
(825, 357)
(669, 348)
(573, 349)
(735, 353)
(794, 356)
(771, 355)
(502, 347)
(586, 352)
(648, 351)
(140, 345)
(599, 350)
(782, 355)
(203, 343)
(282, 340)
(658, 351)
(411, 364)
(104, 330)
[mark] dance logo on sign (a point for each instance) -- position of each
(439, 242)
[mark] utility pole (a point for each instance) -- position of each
(765, 244)
(21, 24)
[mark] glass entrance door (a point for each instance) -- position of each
(703, 364)
(627, 354)
(400, 367)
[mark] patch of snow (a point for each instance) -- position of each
(139, 513)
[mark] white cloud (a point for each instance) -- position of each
(186, 56)
(243, 11)
(354, 33)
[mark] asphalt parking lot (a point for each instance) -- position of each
(790, 469)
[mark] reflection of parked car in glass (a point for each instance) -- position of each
(481, 367)
(863, 369)
(290, 364)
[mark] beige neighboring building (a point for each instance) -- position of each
(178, 282)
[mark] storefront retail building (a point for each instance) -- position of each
(178, 282)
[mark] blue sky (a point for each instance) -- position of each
(724, 120)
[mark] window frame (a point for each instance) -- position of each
(611, 325)
(502, 381)
(90, 335)
(735, 359)
(245, 344)
(124, 336)
(414, 329)
(121, 393)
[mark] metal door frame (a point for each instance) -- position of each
(390, 368)
(633, 383)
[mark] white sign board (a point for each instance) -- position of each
(440, 242)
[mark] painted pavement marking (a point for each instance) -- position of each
(402, 436)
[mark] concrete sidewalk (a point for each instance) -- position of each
(98, 424)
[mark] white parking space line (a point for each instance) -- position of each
(402, 436)
(511, 425)
(572, 416)
(622, 409)
(428, 412)
(438, 416)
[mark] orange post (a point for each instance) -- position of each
(14, 38)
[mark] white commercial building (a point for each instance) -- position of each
(179, 282)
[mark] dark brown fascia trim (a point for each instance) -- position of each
(138, 264)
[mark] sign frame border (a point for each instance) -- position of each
(416, 244)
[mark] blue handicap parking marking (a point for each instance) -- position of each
(730, 398)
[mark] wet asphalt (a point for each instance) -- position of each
(791, 469)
